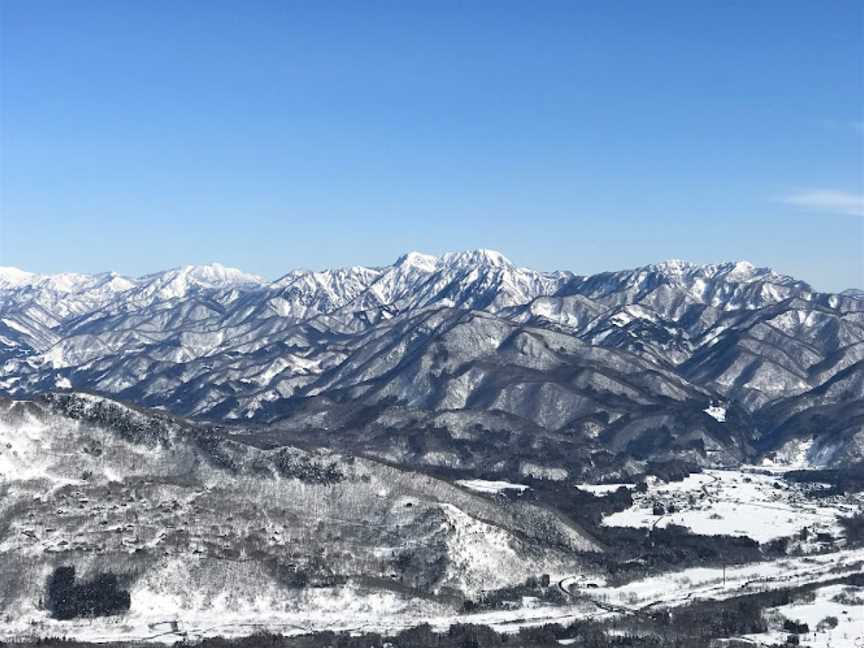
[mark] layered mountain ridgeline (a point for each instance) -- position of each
(465, 361)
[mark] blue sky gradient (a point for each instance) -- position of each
(588, 136)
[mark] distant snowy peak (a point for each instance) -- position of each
(328, 279)
(58, 296)
(418, 261)
(479, 257)
(737, 271)
(302, 293)
(180, 283)
(14, 278)
(479, 278)
(64, 282)
(467, 259)
(211, 275)
(671, 285)
(109, 283)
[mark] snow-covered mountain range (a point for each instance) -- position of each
(463, 360)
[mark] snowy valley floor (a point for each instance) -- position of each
(350, 609)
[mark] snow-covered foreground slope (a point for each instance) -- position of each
(211, 535)
(200, 527)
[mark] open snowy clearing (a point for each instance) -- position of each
(727, 502)
(835, 618)
(487, 486)
(603, 489)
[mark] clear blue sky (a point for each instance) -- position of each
(581, 135)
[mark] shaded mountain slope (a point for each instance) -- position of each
(622, 363)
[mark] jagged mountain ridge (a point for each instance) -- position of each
(621, 363)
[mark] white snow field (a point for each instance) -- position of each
(717, 412)
(835, 617)
(758, 505)
(487, 486)
(604, 489)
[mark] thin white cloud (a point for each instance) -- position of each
(826, 200)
